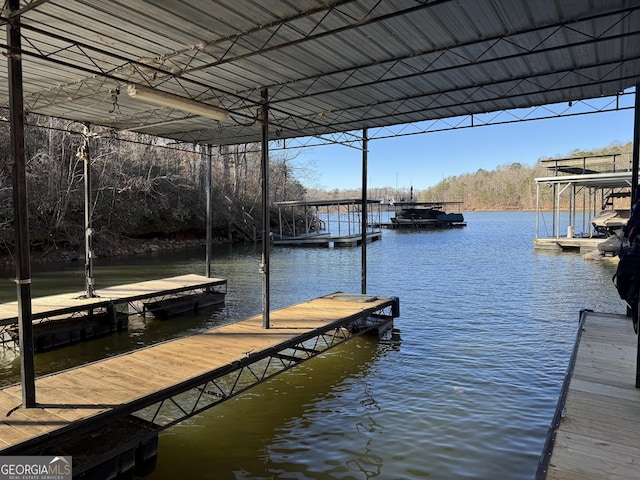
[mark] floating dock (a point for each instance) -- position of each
(594, 434)
(161, 385)
(327, 240)
(564, 244)
(327, 223)
(582, 188)
(69, 317)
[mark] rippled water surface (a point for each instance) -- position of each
(465, 389)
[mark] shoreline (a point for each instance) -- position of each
(125, 248)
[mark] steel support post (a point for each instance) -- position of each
(266, 223)
(635, 163)
(85, 154)
(20, 207)
(555, 228)
(537, 210)
(209, 200)
(365, 210)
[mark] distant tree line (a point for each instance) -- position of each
(145, 187)
(508, 187)
(141, 187)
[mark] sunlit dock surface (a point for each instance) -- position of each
(67, 318)
(326, 223)
(597, 424)
(166, 383)
(69, 303)
(320, 240)
(576, 244)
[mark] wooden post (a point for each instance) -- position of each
(365, 210)
(266, 224)
(20, 207)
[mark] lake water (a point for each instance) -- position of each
(466, 388)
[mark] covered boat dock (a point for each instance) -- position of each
(159, 386)
(327, 223)
(582, 188)
(241, 73)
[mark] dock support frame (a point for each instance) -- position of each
(84, 153)
(266, 210)
(209, 209)
(635, 164)
(255, 369)
(365, 210)
(20, 206)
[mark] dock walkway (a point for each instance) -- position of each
(565, 244)
(72, 401)
(67, 318)
(597, 424)
(70, 303)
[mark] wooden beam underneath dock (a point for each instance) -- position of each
(598, 434)
(70, 400)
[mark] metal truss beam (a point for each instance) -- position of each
(176, 408)
(164, 67)
(621, 102)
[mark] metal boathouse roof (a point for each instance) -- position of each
(327, 66)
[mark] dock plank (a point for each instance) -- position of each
(584, 457)
(597, 437)
(81, 395)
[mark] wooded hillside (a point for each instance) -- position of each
(142, 187)
(146, 188)
(508, 187)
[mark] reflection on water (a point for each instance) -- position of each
(469, 392)
(280, 424)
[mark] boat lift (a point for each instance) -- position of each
(582, 187)
(327, 223)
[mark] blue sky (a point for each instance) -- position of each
(425, 159)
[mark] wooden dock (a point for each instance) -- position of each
(62, 319)
(69, 303)
(575, 244)
(301, 223)
(595, 432)
(327, 240)
(72, 402)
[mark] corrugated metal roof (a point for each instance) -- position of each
(328, 66)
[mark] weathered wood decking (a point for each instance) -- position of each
(599, 433)
(128, 382)
(69, 303)
(568, 244)
(327, 240)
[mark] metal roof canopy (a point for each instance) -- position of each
(324, 203)
(426, 204)
(596, 180)
(328, 66)
(283, 69)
